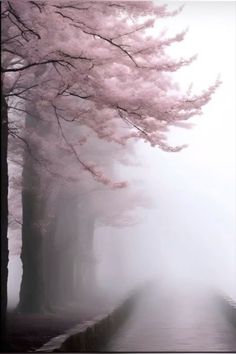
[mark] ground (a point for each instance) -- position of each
(29, 332)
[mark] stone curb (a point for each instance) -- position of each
(229, 308)
(89, 335)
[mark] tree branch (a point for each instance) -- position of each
(17, 17)
(110, 41)
(19, 93)
(37, 5)
(130, 122)
(55, 174)
(50, 61)
(86, 167)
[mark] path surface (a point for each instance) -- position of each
(167, 318)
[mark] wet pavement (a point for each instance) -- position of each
(172, 318)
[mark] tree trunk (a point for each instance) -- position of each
(33, 204)
(50, 267)
(66, 241)
(85, 268)
(4, 216)
(31, 292)
(70, 272)
(32, 298)
(59, 252)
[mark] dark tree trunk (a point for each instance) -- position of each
(50, 268)
(59, 253)
(70, 273)
(91, 269)
(4, 215)
(32, 290)
(85, 267)
(32, 298)
(33, 203)
(67, 238)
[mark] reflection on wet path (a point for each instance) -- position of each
(167, 318)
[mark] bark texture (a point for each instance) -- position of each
(4, 214)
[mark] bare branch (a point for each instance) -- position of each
(86, 167)
(64, 16)
(79, 96)
(55, 174)
(116, 5)
(14, 84)
(50, 61)
(39, 7)
(71, 7)
(22, 35)
(130, 122)
(131, 32)
(73, 57)
(17, 17)
(22, 110)
(113, 44)
(24, 90)
(56, 109)
(7, 40)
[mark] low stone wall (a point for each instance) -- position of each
(228, 305)
(91, 335)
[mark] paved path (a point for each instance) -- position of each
(170, 319)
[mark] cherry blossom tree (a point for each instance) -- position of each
(72, 70)
(120, 71)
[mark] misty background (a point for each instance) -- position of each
(187, 233)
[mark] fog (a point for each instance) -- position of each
(189, 234)
(186, 235)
